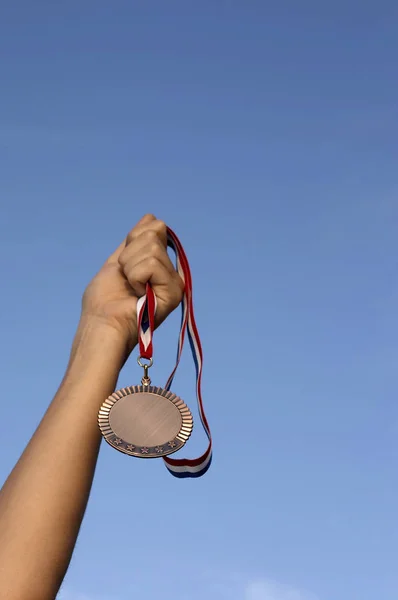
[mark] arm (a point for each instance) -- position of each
(43, 501)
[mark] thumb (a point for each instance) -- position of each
(114, 257)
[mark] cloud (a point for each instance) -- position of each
(230, 588)
(264, 589)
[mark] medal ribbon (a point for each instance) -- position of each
(146, 307)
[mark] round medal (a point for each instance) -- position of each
(145, 421)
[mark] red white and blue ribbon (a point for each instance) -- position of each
(146, 307)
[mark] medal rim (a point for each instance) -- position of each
(143, 452)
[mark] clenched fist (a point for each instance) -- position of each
(111, 297)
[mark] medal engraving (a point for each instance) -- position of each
(145, 421)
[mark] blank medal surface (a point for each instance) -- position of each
(145, 419)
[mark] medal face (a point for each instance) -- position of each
(145, 421)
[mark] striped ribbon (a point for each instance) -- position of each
(146, 307)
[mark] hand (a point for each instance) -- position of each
(111, 297)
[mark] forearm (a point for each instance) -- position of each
(43, 501)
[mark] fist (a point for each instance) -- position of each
(112, 295)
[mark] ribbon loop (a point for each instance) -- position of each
(146, 308)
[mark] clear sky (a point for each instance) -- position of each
(265, 134)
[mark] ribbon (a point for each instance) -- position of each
(146, 307)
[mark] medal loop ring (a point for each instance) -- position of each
(143, 365)
(146, 380)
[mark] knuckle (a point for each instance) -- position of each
(155, 248)
(161, 226)
(153, 263)
(122, 259)
(130, 236)
(150, 235)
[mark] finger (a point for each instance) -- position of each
(167, 286)
(130, 265)
(148, 220)
(150, 224)
(143, 247)
(114, 257)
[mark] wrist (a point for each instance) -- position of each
(98, 354)
(96, 340)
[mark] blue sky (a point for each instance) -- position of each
(265, 134)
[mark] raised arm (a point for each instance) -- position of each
(43, 501)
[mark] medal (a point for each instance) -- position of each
(146, 421)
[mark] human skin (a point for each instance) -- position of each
(43, 501)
